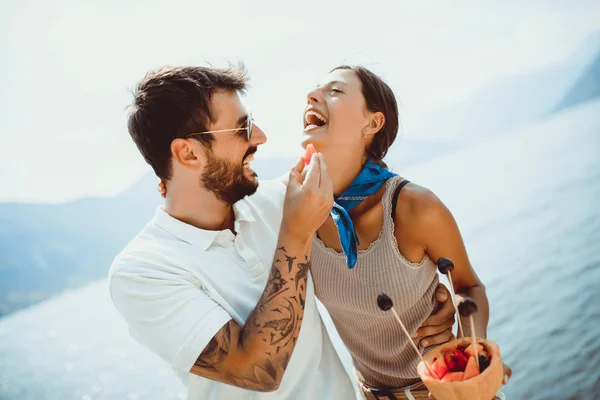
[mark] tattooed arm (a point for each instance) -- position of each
(256, 355)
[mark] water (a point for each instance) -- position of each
(528, 205)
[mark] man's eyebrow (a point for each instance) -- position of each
(242, 120)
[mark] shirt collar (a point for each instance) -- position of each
(186, 232)
(196, 236)
(242, 211)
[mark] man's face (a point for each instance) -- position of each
(227, 173)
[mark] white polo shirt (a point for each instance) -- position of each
(177, 285)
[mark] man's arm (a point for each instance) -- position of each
(256, 355)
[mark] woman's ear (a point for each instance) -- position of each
(376, 123)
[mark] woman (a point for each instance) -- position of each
(385, 234)
(395, 233)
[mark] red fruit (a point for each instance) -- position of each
(439, 368)
(310, 150)
(453, 377)
(471, 369)
(455, 361)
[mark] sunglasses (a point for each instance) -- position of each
(247, 128)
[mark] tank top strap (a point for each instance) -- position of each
(390, 199)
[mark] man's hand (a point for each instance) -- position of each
(308, 199)
(507, 374)
(437, 329)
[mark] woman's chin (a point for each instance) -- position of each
(313, 136)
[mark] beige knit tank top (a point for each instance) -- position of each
(380, 351)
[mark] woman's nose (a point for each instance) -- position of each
(313, 96)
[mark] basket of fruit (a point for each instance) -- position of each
(468, 368)
(461, 372)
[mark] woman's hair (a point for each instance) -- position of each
(379, 97)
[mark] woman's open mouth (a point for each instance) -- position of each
(313, 120)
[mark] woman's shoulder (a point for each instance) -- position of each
(417, 205)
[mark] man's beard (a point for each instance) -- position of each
(227, 180)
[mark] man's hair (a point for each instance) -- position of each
(171, 102)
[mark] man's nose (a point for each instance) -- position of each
(258, 136)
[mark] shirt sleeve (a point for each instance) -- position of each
(166, 312)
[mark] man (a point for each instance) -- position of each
(217, 283)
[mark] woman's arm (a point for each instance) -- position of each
(442, 238)
(429, 228)
(432, 230)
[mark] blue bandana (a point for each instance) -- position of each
(366, 183)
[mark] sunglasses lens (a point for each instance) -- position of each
(249, 127)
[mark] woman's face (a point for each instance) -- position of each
(336, 119)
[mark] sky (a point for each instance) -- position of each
(68, 69)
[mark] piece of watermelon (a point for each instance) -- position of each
(439, 368)
(470, 353)
(453, 377)
(310, 150)
(471, 369)
(455, 361)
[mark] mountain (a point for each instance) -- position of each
(586, 88)
(49, 248)
(512, 101)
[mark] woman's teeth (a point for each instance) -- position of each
(310, 127)
(316, 114)
(313, 120)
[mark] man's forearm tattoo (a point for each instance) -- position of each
(216, 349)
(275, 323)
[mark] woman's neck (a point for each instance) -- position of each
(343, 172)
